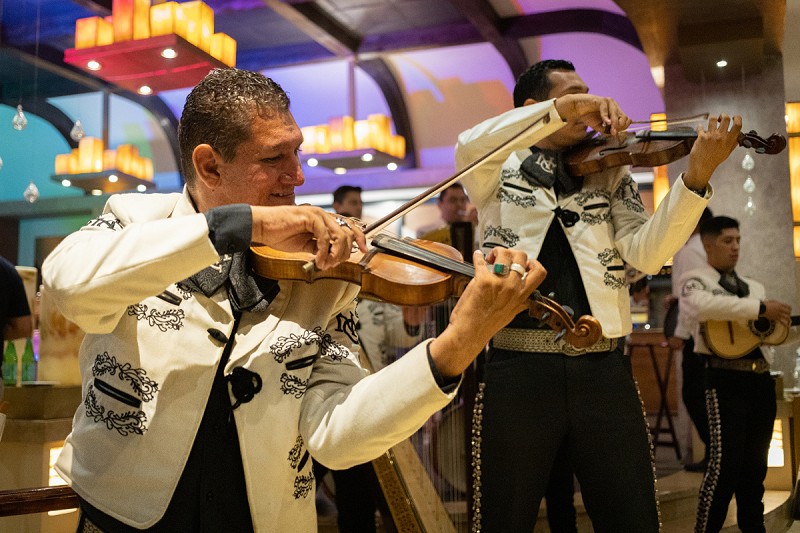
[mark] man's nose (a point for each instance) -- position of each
(294, 175)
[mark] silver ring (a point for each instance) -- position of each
(500, 269)
(519, 269)
(343, 223)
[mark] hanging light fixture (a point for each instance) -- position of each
(345, 143)
(96, 170)
(19, 122)
(793, 129)
(151, 48)
(77, 133)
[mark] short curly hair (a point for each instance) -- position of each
(219, 112)
(535, 82)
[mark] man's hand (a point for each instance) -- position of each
(488, 304)
(713, 146)
(599, 113)
(309, 229)
(778, 311)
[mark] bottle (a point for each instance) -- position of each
(10, 365)
(28, 362)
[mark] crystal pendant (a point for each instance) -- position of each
(31, 193)
(748, 163)
(1, 163)
(750, 206)
(77, 133)
(19, 121)
(749, 185)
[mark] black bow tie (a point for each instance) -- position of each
(734, 284)
(545, 168)
(246, 292)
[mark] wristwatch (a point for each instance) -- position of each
(700, 192)
(762, 308)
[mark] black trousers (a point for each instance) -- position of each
(741, 414)
(693, 390)
(530, 406)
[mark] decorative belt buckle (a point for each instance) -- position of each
(568, 349)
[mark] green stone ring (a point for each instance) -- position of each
(500, 269)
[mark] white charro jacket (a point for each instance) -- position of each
(613, 226)
(148, 362)
(704, 299)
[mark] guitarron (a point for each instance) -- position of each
(734, 339)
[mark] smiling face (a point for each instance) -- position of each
(264, 170)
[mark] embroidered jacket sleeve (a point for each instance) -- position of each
(481, 182)
(132, 251)
(646, 243)
(702, 299)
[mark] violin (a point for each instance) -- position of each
(651, 149)
(414, 272)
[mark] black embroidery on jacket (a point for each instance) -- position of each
(347, 325)
(628, 194)
(105, 221)
(125, 423)
(295, 452)
(298, 459)
(509, 238)
(302, 486)
(608, 256)
(136, 378)
(695, 284)
(284, 346)
(293, 385)
(184, 290)
(522, 201)
(163, 320)
(613, 281)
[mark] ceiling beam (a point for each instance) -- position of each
(379, 71)
(572, 20)
(319, 25)
(481, 15)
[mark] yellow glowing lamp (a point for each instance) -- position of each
(198, 21)
(223, 48)
(122, 19)
(341, 133)
(86, 148)
(322, 140)
(109, 159)
(361, 130)
(309, 139)
(398, 146)
(141, 19)
(147, 169)
(86, 30)
(379, 131)
(163, 18)
(74, 165)
(62, 163)
(793, 117)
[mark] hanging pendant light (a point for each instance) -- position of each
(31, 193)
(77, 133)
(19, 121)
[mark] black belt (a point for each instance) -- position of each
(758, 366)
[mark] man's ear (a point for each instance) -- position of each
(530, 101)
(206, 162)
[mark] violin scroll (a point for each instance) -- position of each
(583, 334)
(774, 144)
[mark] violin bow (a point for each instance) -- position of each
(380, 224)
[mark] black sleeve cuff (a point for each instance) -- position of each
(447, 385)
(230, 228)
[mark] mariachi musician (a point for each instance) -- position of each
(740, 392)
